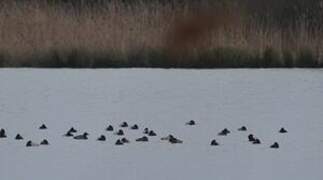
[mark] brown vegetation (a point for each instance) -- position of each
(37, 34)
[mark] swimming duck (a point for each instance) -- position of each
(152, 133)
(31, 144)
(124, 124)
(191, 123)
(82, 136)
(167, 137)
(146, 131)
(3, 133)
(43, 126)
(19, 137)
(109, 128)
(125, 140)
(224, 132)
(214, 143)
(119, 142)
(251, 138)
(101, 138)
(283, 130)
(72, 130)
(44, 142)
(142, 139)
(68, 134)
(275, 145)
(134, 127)
(120, 132)
(243, 128)
(170, 138)
(256, 141)
(174, 140)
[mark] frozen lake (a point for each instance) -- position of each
(264, 100)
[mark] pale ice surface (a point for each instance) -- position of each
(264, 100)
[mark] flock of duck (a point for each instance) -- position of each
(145, 138)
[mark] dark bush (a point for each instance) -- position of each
(271, 58)
(288, 58)
(306, 58)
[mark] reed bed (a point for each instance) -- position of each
(164, 35)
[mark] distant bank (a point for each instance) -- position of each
(161, 33)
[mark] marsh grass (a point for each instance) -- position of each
(141, 34)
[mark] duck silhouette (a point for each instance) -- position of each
(3, 133)
(275, 145)
(224, 132)
(43, 126)
(44, 142)
(72, 130)
(19, 137)
(152, 133)
(190, 123)
(124, 124)
(243, 128)
(283, 130)
(134, 127)
(31, 144)
(170, 138)
(109, 128)
(256, 141)
(101, 138)
(214, 143)
(251, 138)
(82, 136)
(146, 131)
(174, 140)
(120, 132)
(68, 134)
(167, 137)
(125, 140)
(142, 139)
(118, 142)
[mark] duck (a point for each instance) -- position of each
(109, 128)
(44, 142)
(3, 133)
(224, 132)
(72, 130)
(170, 138)
(124, 124)
(134, 127)
(118, 142)
(174, 140)
(101, 138)
(152, 133)
(68, 134)
(43, 126)
(256, 141)
(190, 123)
(242, 128)
(31, 144)
(125, 140)
(282, 130)
(251, 138)
(120, 132)
(142, 139)
(82, 136)
(275, 145)
(19, 137)
(214, 143)
(146, 131)
(167, 137)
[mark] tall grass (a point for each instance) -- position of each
(151, 34)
